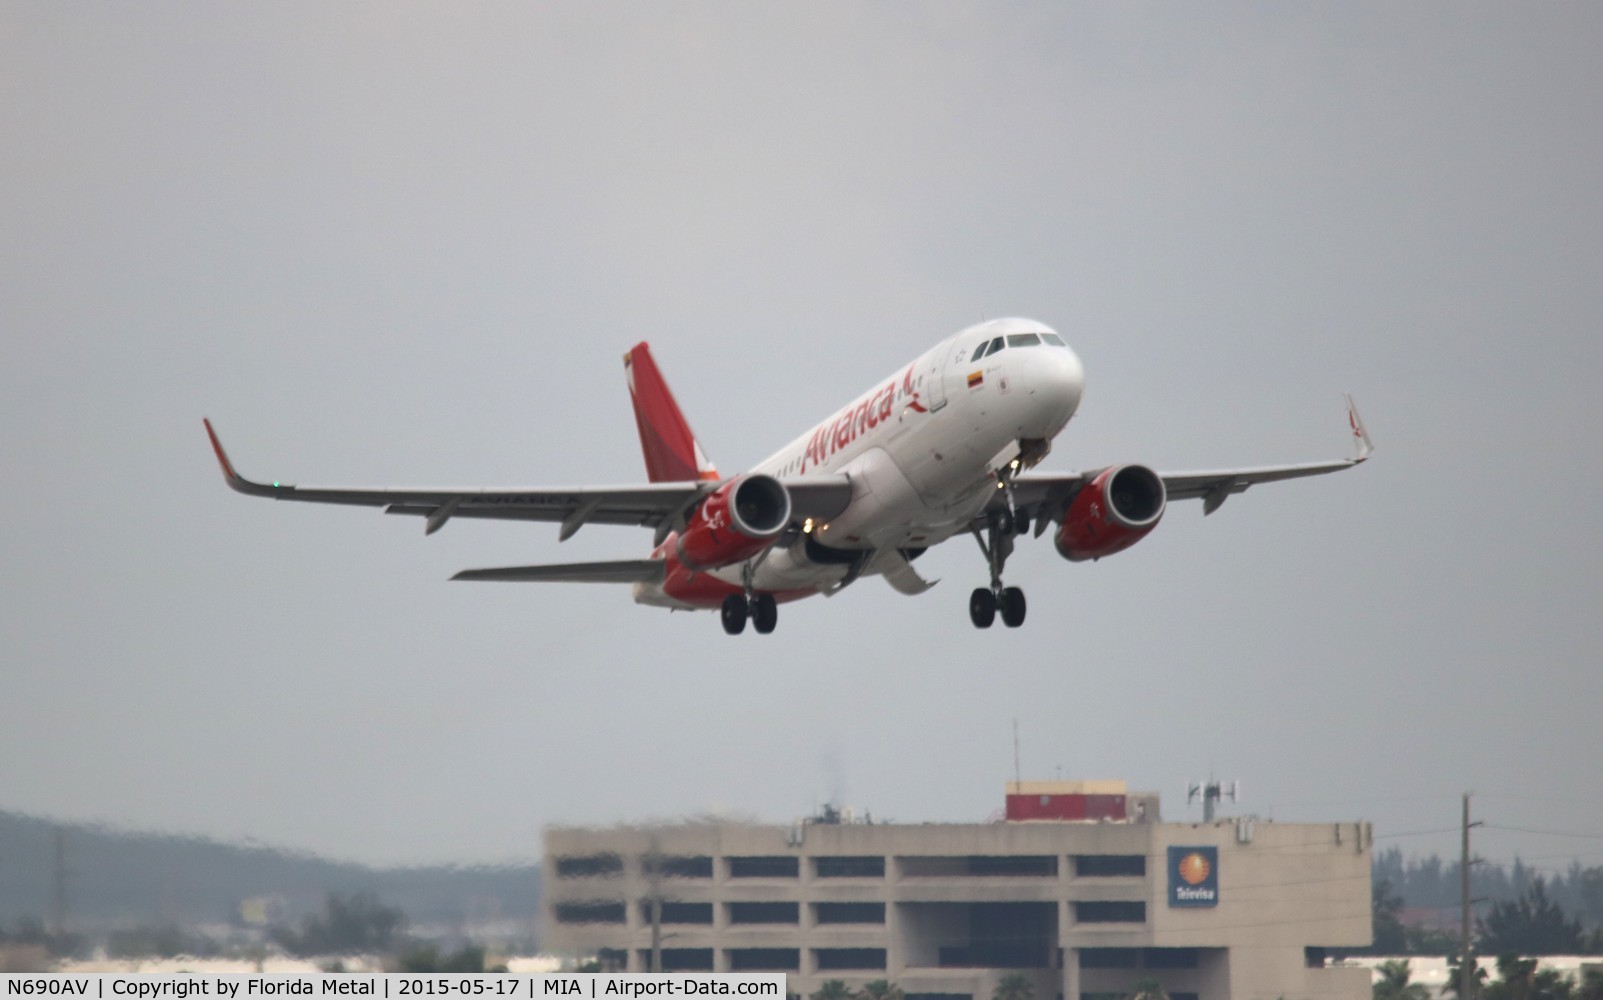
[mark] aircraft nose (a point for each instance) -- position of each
(1058, 379)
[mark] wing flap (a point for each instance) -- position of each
(620, 571)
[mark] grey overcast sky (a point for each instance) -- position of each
(406, 244)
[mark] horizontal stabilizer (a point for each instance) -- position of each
(621, 571)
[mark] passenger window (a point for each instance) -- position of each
(1023, 340)
(996, 345)
(979, 351)
(1052, 338)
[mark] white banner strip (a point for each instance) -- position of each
(396, 986)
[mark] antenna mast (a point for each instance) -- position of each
(1211, 791)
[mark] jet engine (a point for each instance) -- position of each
(1112, 513)
(735, 522)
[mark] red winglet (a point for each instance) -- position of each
(671, 451)
(222, 456)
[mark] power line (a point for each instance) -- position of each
(1416, 833)
(1546, 833)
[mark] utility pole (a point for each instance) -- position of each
(654, 879)
(58, 882)
(1018, 777)
(1466, 960)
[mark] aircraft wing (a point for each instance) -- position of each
(1048, 493)
(661, 506)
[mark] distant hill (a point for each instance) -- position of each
(117, 877)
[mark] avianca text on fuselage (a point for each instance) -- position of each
(856, 422)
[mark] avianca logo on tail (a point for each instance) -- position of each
(857, 421)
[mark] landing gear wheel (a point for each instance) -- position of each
(1004, 522)
(1021, 524)
(733, 613)
(982, 607)
(764, 613)
(1011, 603)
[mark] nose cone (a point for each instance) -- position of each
(1056, 381)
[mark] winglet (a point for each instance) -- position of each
(222, 456)
(1361, 442)
(671, 450)
(234, 479)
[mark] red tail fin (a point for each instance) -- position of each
(672, 453)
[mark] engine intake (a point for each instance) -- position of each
(1114, 511)
(735, 522)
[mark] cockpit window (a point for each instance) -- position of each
(996, 345)
(1023, 340)
(979, 352)
(1052, 338)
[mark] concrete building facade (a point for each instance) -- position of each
(1238, 908)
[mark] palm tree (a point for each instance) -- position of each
(881, 989)
(1394, 985)
(832, 989)
(1014, 986)
(1148, 989)
(1454, 978)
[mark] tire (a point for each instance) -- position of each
(764, 613)
(1012, 607)
(733, 614)
(982, 607)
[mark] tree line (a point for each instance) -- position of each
(1436, 884)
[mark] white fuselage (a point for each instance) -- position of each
(922, 448)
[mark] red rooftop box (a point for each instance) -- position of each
(1066, 801)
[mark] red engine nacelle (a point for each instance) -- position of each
(1111, 514)
(736, 521)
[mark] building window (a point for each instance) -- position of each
(677, 865)
(1109, 865)
(1111, 912)
(764, 913)
(1000, 936)
(849, 867)
(1110, 958)
(831, 959)
(678, 913)
(849, 913)
(590, 913)
(1025, 865)
(680, 959)
(589, 865)
(764, 867)
(1170, 958)
(764, 959)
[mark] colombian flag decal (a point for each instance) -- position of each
(975, 378)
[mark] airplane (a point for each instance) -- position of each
(943, 446)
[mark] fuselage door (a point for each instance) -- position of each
(947, 357)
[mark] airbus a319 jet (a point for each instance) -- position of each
(941, 447)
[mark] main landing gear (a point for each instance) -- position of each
(997, 544)
(761, 608)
